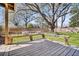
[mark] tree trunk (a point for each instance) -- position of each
(62, 21)
(56, 24)
(52, 27)
(26, 25)
(61, 24)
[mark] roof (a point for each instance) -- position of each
(10, 5)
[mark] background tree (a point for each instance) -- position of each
(74, 20)
(50, 12)
(40, 22)
(62, 20)
(24, 15)
(14, 19)
(16, 22)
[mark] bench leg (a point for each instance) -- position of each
(43, 36)
(31, 39)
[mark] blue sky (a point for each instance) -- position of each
(1, 13)
(66, 22)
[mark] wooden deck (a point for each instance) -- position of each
(38, 48)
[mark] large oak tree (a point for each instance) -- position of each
(50, 12)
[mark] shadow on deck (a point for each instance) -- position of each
(41, 47)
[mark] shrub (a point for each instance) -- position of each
(30, 26)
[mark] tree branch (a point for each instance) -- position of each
(57, 8)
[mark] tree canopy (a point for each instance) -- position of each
(75, 16)
(50, 12)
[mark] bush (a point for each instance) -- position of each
(30, 26)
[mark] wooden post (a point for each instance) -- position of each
(6, 23)
(66, 40)
(10, 40)
(43, 36)
(31, 39)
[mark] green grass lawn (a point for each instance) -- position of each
(73, 40)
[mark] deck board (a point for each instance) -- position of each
(55, 51)
(48, 53)
(38, 49)
(60, 51)
(76, 53)
(41, 47)
(72, 51)
(45, 51)
(66, 51)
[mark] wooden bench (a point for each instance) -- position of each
(31, 38)
(10, 37)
